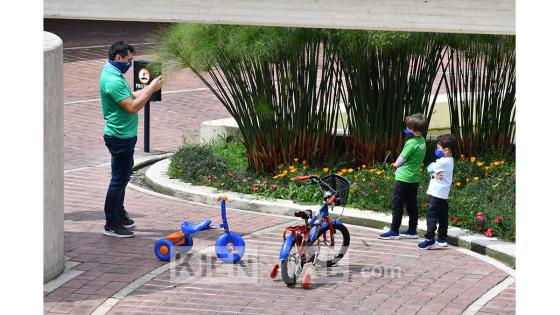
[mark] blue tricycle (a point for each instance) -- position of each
(303, 243)
(230, 247)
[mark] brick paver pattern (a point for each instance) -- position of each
(435, 282)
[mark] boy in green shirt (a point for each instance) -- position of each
(407, 178)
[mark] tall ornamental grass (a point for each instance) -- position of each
(388, 76)
(480, 81)
(281, 85)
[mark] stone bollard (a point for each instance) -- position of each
(53, 158)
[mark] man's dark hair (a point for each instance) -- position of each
(417, 122)
(448, 142)
(120, 48)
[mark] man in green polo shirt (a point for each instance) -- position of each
(120, 112)
(407, 178)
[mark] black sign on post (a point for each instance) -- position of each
(143, 75)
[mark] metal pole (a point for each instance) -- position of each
(147, 127)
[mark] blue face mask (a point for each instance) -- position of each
(408, 133)
(122, 66)
(439, 153)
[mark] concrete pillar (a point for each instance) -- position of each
(53, 160)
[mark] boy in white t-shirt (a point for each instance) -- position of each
(442, 176)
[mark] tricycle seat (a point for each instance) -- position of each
(189, 228)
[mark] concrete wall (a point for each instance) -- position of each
(53, 163)
(457, 16)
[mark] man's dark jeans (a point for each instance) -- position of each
(122, 160)
(405, 195)
(438, 211)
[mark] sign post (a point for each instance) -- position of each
(143, 75)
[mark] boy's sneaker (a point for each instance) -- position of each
(127, 222)
(409, 234)
(427, 244)
(441, 242)
(389, 235)
(117, 231)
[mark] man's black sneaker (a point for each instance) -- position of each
(127, 222)
(117, 231)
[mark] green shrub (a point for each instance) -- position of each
(193, 163)
(232, 152)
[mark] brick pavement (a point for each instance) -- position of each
(503, 303)
(426, 285)
(443, 282)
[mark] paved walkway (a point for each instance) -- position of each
(410, 281)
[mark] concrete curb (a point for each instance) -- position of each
(157, 179)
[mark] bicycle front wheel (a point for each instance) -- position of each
(330, 253)
(291, 266)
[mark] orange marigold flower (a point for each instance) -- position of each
(350, 170)
(296, 159)
(458, 184)
(468, 180)
(325, 170)
(473, 159)
(486, 168)
(364, 166)
(479, 164)
(378, 173)
(475, 179)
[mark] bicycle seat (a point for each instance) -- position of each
(303, 214)
(189, 228)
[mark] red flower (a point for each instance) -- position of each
(479, 214)
(255, 188)
(479, 218)
(488, 233)
(455, 220)
(376, 191)
(273, 186)
(264, 183)
(498, 219)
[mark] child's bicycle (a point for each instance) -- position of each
(230, 247)
(303, 243)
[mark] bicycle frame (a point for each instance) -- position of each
(323, 222)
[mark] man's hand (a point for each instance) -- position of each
(156, 84)
(438, 176)
(133, 104)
